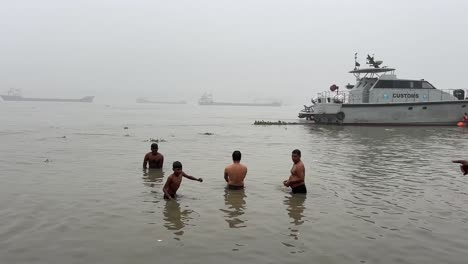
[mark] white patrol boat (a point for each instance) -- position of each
(380, 98)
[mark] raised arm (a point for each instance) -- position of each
(464, 162)
(191, 177)
(145, 161)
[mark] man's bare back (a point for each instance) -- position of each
(235, 173)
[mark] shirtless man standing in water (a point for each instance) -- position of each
(154, 158)
(235, 173)
(297, 178)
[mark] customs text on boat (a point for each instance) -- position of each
(380, 98)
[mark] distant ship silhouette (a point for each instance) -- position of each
(15, 95)
(207, 99)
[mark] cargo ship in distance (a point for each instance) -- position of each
(207, 99)
(146, 101)
(15, 95)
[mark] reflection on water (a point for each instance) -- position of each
(235, 206)
(175, 218)
(153, 177)
(295, 210)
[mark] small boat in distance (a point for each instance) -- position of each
(146, 101)
(15, 95)
(207, 99)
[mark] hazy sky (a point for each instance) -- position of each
(238, 50)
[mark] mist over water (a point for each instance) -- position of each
(73, 189)
(72, 185)
(237, 50)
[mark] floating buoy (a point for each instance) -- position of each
(461, 124)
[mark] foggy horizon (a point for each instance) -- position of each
(238, 51)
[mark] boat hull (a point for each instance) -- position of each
(86, 99)
(422, 113)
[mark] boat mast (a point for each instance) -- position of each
(356, 67)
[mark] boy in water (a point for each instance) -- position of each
(175, 179)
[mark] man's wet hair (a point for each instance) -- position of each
(154, 146)
(236, 155)
(297, 152)
(177, 165)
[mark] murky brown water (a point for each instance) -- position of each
(73, 191)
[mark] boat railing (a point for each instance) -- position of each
(449, 95)
(331, 97)
(308, 109)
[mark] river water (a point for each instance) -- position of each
(73, 190)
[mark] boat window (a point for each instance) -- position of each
(399, 84)
(417, 84)
(384, 84)
(402, 84)
(426, 85)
